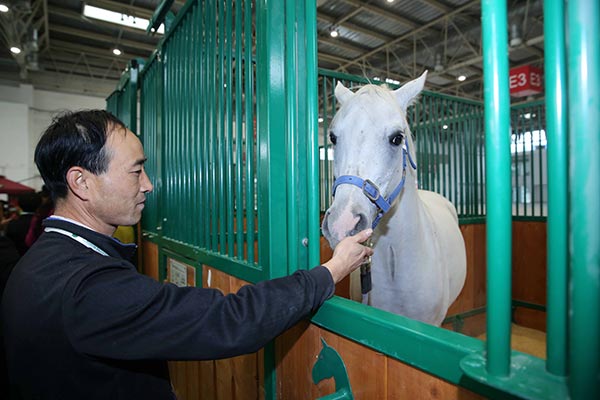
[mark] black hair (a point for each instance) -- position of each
(74, 139)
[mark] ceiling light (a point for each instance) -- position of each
(461, 78)
(118, 18)
(334, 32)
(320, 119)
(117, 52)
(445, 126)
(390, 1)
(15, 50)
(515, 35)
(3, 8)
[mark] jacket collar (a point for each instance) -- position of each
(108, 244)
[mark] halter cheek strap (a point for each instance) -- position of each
(371, 190)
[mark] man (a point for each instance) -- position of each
(81, 323)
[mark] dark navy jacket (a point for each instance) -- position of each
(81, 325)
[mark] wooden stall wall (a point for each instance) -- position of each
(529, 272)
(149, 253)
(237, 378)
(372, 375)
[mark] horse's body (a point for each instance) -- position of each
(419, 264)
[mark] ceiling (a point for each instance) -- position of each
(377, 38)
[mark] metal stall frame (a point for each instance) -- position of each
(288, 169)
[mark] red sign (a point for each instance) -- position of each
(525, 81)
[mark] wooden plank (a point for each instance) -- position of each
(150, 259)
(406, 382)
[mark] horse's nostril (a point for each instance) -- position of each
(360, 225)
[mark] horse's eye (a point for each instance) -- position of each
(396, 139)
(332, 137)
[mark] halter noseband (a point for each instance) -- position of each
(372, 191)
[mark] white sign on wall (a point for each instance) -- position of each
(178, 273)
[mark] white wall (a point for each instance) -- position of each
(25, 112)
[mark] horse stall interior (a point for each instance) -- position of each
(228, 108)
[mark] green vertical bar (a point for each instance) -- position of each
(584, 189)
(220, 133)
(291, 120)
(204, 81)
(229, 126)
(239, 214)
(325, 171)
(531, 162)
(249, 96)
(498, 235)
(313, 134)
(213, 133)
(272, 192)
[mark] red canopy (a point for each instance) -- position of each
(12, 187)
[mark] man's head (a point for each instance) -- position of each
(94, 168)
(74, 139)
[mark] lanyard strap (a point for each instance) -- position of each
(79, 239)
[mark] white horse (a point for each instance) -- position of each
(419, 263)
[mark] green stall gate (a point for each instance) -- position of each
(229, 106)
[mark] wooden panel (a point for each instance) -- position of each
(372, 375)
(473, 294)
(529, 271)
(150, 257)
(405, 382)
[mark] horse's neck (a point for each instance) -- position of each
(339, 373)
(408, 216)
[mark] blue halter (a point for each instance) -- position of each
(372, 191)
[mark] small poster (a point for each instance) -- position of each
(177, 273)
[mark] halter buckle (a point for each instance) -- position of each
(370, 190)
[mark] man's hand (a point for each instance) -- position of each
(349, 254)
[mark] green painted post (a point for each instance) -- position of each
(313, 133)
(498, 238)
(273, 200)
(556, 131)
(291, 62)
(584, 189)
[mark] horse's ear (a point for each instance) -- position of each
(342, 93)
(408, 94)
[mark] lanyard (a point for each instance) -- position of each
(79, 239)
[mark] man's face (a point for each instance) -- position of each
(120, 192)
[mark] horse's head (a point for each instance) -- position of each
(372, 142)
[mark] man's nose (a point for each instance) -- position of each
(146, 186)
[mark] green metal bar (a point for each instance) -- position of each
(457, 201)
(239, 213)
(213, 110)
(229, 127)
(325, 113)
(498, 237)
(198, 121)
(584, 190)
(531, 165)
(204, 83)
(313, 133)
(272, 193)
(291, 124)
(250, 170)
(220, 127)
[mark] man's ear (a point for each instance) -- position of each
(77, 179)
